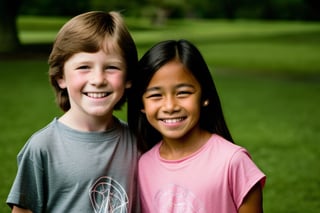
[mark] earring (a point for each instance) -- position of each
(206, 103)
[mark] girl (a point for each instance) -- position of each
(192, 164)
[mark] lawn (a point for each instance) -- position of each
(267, 75)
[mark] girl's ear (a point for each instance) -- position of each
(128, 84)
(205, 103)
(61, 82)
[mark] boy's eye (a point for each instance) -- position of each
(83, 67)
(112, 68)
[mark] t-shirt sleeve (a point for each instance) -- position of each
(243, 175)
(27, 188)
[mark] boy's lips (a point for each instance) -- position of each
(97, 94)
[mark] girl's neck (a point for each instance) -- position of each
(175, 149)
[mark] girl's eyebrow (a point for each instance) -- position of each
(184, 85)
(156, 88)
(150, 89)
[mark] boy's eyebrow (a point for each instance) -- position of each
(115, 60)
(85, 61)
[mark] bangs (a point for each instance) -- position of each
(110, 44)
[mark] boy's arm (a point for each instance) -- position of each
(17, 209)
(252, 203)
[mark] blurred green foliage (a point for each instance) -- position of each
(230, 9)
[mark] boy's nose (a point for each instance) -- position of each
(98, 78)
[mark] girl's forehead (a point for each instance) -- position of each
(173, 73)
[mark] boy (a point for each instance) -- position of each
(84, 161)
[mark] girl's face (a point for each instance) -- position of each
(172, 101)
(95, 83)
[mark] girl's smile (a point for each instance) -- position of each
(172, 120)
(173, 123)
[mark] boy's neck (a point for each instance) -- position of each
(88, 124)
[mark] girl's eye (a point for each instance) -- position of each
(154, 96)
(184, 93)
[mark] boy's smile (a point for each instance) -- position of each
(96, 94)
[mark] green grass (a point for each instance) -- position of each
(277, 47)
(277, 120)
(268, 78)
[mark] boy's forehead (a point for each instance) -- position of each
(95, 57)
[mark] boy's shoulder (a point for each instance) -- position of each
(46, 130)
(122, 125)
(41, 139)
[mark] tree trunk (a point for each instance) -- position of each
(9, 40)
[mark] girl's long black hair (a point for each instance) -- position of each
(211, 116)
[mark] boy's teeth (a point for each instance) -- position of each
(96, 94)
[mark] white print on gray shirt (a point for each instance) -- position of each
(108, 196)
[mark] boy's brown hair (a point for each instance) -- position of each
(91, 32)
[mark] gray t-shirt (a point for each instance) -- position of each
(64, 170)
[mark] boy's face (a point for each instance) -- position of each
(95, 83)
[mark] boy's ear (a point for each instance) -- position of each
(61, 82)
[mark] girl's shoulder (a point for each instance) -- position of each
(221, 146)
(218, 140)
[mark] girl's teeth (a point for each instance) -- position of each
(172, 120)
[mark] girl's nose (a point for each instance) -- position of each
(170, 105)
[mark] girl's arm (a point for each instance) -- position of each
(252, 202)
(16, 209)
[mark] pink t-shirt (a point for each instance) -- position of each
(214, 179)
